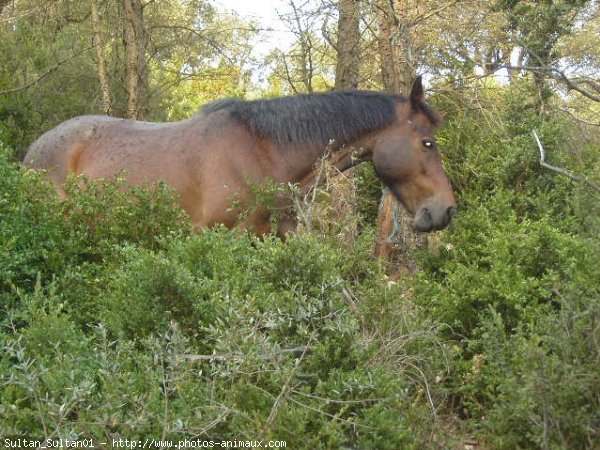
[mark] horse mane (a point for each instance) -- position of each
(317, 118)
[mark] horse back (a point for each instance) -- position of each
(59, 150)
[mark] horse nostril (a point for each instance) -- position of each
(426, 213)
(450, 212)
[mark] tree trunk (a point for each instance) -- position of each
(385, 226)
(346, 71)
(135, 62)
(389, 74)
(399, 42)
(99, 44)
(306, 64)
(346, 77)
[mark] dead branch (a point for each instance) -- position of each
(578, 119)
(593, 93)
(286, 386)
(434, 12)
(295, 351)
(560, 170)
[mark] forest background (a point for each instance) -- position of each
(117, 321)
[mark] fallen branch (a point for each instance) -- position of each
(283, 395)
(296, 351)
(560, 170)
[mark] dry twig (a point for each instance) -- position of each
(560, 170)
(295, 351)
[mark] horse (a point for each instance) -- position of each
(231, 146)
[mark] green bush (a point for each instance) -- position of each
(71, 243)
(30, 227)
(540, 386)
(119, 322)
(516, 280)
(495, 259)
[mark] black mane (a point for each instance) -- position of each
(341, 116)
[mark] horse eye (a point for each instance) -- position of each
(429, 144)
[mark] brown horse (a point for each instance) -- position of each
(232, 145)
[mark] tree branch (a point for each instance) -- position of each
(327, 36)
(295, 351)
(433, 12)
(560, 170)
(45, 74)
(560, 76)
(578, 119)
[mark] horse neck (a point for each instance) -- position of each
(337, 159)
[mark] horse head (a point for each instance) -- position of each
(407, 160)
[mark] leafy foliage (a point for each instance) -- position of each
(118, 322)
(49, 68)
(516, 279)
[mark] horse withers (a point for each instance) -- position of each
(231, 146)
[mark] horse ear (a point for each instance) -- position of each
(416, 94)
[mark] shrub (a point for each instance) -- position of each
(516, 279)
(71, 243)
(120, 323)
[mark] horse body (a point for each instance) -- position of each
(215, 157)
(207, 160)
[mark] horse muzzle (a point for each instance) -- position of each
(431, 218)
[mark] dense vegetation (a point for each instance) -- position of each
(117, 320)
